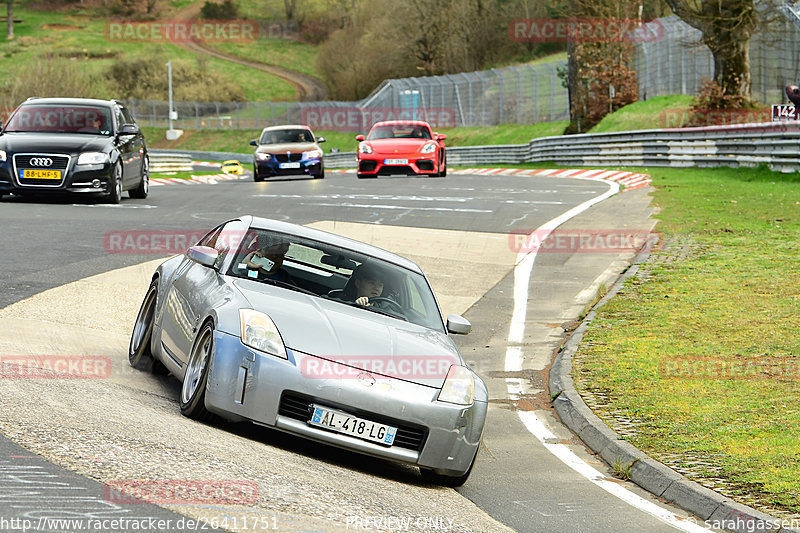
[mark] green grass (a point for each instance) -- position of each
(292, 55)
(658, 112)
(77, 33)
(733, 301)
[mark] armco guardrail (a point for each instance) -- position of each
(774, 144)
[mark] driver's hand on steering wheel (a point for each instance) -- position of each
(363, 300)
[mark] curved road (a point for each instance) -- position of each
(127, 426)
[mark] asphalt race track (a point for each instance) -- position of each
(73, 274)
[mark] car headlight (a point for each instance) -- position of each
(313, 154)
(364, 148)
(428, 148)
(459, 386)
(92, 158)
(263, 156)
(2, 155)
(260, 332)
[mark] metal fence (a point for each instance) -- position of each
(678, 62)
(524, 94)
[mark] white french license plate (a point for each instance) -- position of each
(353, 426)
(395, 161)
(290, 165)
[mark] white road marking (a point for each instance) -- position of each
(405, 208)
(522, 275)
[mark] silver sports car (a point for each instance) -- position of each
(316, 335)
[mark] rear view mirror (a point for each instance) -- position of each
(338, 261)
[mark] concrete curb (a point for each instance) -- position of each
(716, 510)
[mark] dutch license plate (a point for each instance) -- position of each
(290, 165)
(395, 161)
(36, 174)
(353, 426)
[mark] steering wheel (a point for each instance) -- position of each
(391, 303)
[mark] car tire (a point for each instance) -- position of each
(193, 390)
(429, 476)
(140, 355)
(321, 174)
(114, 194)
(143, 189)
(443, 168)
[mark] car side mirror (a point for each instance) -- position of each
(129, 129)
(441, 136)
(205, 255)
(321, 139)
(359, 137)
(458, 325)
(254, 142)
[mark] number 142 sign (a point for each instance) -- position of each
(784, 112)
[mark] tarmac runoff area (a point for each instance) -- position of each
(126, 425)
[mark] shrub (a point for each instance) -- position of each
(225, 11)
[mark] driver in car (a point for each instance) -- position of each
(367, 282)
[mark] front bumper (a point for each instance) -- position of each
(74, 179)
(271, 168)
(374, 164)
(245, 384)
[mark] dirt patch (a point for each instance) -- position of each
(62, 27)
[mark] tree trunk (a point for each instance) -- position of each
(732, 67)
(10, 32)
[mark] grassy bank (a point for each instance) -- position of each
(701, 355)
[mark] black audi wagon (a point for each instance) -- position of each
(73, 145)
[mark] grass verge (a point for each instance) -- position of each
(702, 352)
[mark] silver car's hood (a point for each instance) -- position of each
(357, 338)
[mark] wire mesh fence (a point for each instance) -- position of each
(678, 63)
(524, 94)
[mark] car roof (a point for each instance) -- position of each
(70, 101)
(332, 239)
(231, 162)
(286, 127)
(402, 123)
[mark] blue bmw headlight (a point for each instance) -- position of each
(312, 154)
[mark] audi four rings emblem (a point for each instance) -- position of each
(41, 161)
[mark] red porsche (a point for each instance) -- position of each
(401, 147)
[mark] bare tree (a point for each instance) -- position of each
(290, 7)
(10, 11)
(726, 29)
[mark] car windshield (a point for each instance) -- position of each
(287, 136)
(54, 118)
(399, 131)
(336, 274)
